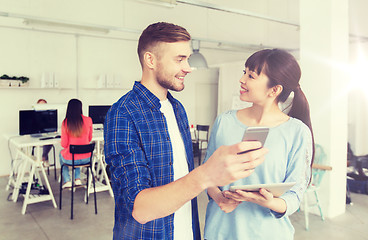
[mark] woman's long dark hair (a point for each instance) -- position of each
(73, 118)
(281, 68)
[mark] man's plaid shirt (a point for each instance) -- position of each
(139, 152)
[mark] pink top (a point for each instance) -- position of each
(85, 138)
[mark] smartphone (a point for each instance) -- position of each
(255, 134)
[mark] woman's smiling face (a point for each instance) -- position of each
(253, 87)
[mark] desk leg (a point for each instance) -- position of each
(38, 163)
(48, 185)
(38, 177)
(107, 180)
(103, 167)
(101, 163)
(13, 171)
(34, 165)
(26, 197)
(19, 180)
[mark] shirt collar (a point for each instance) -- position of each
(149, 97)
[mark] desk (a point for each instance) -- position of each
(23, 146)
(321, 167)
(24, 158)
(98, 138)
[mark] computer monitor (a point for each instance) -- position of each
(36, 122)
(60, 107)
(98, 113)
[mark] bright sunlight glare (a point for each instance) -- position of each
(358, 73)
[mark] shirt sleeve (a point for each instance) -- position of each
(90, 129)
(64, 136)
(298, 170)
(124, 154)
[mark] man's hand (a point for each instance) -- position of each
(223, 167)
(226, 165)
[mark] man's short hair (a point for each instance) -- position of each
(160, 32)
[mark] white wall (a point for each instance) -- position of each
(229, 86)
(77, 58)
(200, 96)
(323, 59)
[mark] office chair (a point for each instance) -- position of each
(320, 158)
(201, 137)
(196, 151)
(357, 165)
(357, 174)
(79, 149)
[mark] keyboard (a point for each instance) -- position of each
(47, 138)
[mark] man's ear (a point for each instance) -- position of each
(276, 91)
(149, 60)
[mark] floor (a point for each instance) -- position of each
(43, 221)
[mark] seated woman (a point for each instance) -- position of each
(76, 129)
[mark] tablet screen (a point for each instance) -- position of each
(277, 189)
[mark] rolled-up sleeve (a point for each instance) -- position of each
(130, 170)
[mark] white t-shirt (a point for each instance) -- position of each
(183, 216)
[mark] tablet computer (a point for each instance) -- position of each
(277, 189)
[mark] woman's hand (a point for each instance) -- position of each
(263, 197)
(227, 205)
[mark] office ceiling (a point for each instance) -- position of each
(230, 30)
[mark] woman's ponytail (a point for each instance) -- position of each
(300, 110)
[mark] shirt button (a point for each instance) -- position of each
(168, 138)
(170, 163)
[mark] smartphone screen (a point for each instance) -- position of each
(255, 134)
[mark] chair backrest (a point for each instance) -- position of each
(196, 151)
(320, 157)
(352, 159)
(205, 129)
(79, 149)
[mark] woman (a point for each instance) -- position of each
(269, 77)
(76, 129)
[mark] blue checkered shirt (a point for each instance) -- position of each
(139, 152)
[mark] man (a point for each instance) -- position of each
(46, 148)
(149, 149)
